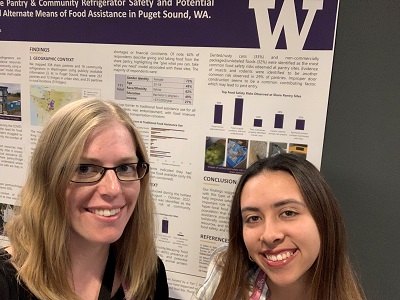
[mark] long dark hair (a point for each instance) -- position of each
(333, 277)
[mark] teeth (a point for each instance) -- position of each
(279, 257)
(105, 212)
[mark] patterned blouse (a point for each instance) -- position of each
(256, 279)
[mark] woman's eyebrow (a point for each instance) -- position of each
(89, 160)
(286, 202)
(250, 209)
(122, 160)
(274, 205)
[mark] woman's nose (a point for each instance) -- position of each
(109, 184)
(272, 233)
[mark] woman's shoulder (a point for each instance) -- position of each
(8, 279)
(161, 272)
(219, 250)
(213, 275)
(162, 291)
(5, 264)
(216, 259)
(4, 252)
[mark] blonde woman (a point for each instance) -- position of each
(84, 229)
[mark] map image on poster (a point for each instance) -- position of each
(46, 100)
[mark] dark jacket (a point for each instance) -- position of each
(10, 289)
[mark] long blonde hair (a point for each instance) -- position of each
(38, 231)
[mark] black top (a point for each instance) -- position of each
(10, 289)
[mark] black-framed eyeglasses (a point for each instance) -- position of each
(89, 173)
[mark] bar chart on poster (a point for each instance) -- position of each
(267, 119)
(167, 142)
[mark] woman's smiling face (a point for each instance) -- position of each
(279, 232)
(98, 212)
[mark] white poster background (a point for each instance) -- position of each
(243, 103)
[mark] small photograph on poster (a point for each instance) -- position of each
(276, 148)
(298, 149)
(257, 150)
(236, 153)
(10, 101)
(215, 151)
(225, 155)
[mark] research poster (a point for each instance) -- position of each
(213, 85)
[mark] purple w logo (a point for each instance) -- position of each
(287, 21)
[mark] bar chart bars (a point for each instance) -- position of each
(279, 121)
(164, 227)
(165, 142)
(218, 113)
(238, 112)
(255, 118)
(300, 124)
(258, 122)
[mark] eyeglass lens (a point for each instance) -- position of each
(87, 173)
